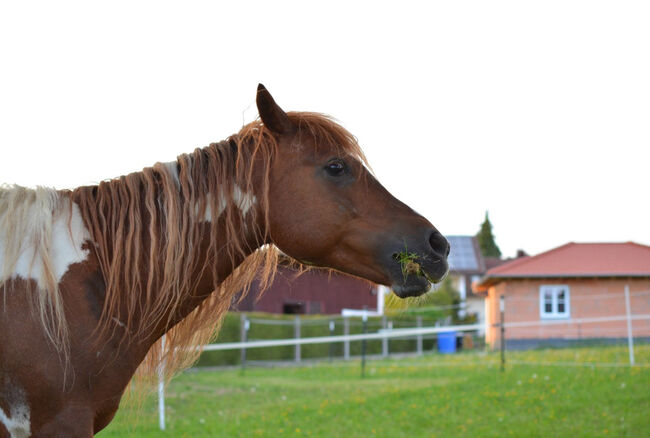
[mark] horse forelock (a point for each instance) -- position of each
(327, 133)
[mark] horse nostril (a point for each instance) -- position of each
(438, 243)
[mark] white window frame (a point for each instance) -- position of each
(554, 290)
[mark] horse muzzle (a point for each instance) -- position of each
(414, 267)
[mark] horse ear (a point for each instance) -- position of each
(271, 114)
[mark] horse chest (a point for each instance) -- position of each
(14, 410)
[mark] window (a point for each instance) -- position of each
(293, 308)
(554, 301)
(314, 307)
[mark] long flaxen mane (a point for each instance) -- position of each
(149, 230)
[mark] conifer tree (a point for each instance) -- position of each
(486, 241)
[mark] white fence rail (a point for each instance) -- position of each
(382, 334)
(577, 321)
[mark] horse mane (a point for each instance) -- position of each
(149, 228)
(172, 200)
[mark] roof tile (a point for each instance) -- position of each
(580, 260)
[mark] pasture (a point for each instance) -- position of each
(462, 395)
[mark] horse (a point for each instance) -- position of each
(92, 278)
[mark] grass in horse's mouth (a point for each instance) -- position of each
(408, 262)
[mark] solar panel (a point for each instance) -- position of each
(462, 256)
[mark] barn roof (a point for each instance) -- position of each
(626, 259)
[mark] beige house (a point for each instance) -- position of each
(575, 291)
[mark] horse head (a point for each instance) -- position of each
(327, 209)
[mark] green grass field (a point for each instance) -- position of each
(462, 395)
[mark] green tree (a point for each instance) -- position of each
(486, 241)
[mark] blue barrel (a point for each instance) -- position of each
(447, 342)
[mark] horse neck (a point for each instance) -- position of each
(216, 266)
(216, 261)
(156, 279)
(228, 258)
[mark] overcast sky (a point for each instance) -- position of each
(538, 112)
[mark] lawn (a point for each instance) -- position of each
(431, 396)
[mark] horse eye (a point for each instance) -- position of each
(335, 168)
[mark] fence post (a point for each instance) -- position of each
(161, 387)
(346, 343)
(579, 332)
(296, 334)
(244, 325)
(502, 308)
(332, 327)
(628, 313)
(418, 339)
(384, 340)
(363, 344)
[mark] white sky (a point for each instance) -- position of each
(536, 111)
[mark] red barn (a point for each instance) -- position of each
(315, 291)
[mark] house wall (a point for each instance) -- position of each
(492, 314)
(589, 298)
(475, 305)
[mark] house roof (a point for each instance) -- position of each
(626, 259)
(465, 255)
(493, 262)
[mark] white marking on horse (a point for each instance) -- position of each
(18, 422)
(244, 201)
(67, 242)
(172, 169)
(45, 235)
